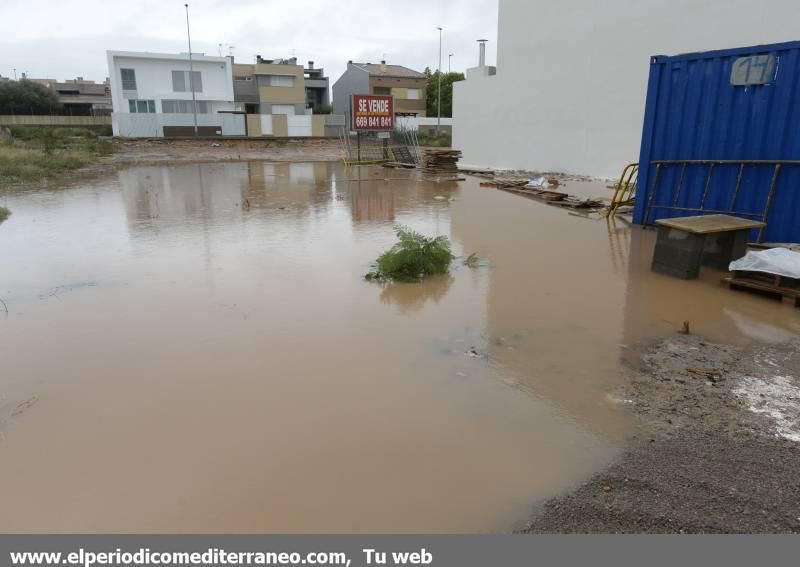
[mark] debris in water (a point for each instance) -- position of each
(27, 404)
(685, 330)
(538, 183)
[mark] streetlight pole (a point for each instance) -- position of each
(191, 71)
(439, 89)
(449, 60)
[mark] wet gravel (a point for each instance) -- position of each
(703, 461)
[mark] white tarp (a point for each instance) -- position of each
(779, 261)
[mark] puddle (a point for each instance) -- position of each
(215, 362)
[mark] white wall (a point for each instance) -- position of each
(572, 76)
(414, 122)
(152, 125)
(154, 78)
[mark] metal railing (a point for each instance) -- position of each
(763, 216)
(625, 192)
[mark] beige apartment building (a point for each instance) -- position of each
(408, 87)
(273, 92)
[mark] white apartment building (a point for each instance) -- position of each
(152, 95)
(571, 76)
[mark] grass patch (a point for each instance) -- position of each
(33, 154)
(434, 141)
(413, 257)
(4, 214)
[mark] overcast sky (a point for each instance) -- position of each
(63, 39)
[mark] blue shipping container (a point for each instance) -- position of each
(715, 125)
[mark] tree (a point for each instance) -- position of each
(447, 92)
(27, 97)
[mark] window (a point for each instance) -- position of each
(128, 79)
(180, 81)
(281, 80)
(283, 109)
(242, 77)
(413, 94)
(382, 90)
(183, 107)
(141, 106)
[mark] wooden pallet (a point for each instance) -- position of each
(786, 289)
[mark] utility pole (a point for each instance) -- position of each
(439, 89)
(449, 60)
(191, 71)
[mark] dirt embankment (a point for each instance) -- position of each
(129, 151)
(718, 448)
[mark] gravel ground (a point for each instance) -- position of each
(717, 449)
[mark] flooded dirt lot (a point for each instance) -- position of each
(192, 348)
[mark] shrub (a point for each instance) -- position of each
(49, 142)
(413, 257)
(434, 141)
(4, 214)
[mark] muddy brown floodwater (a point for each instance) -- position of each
(191, 348)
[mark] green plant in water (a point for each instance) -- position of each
(413, 257)
(4, 214)
(472, 260)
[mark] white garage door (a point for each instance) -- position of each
(299, 126)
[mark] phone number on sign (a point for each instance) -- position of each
(374, 122)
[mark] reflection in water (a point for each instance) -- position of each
(372, 204)
(410, 297)
(228, 336)
(619, 243)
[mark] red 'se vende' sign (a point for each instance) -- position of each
(373, 112)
